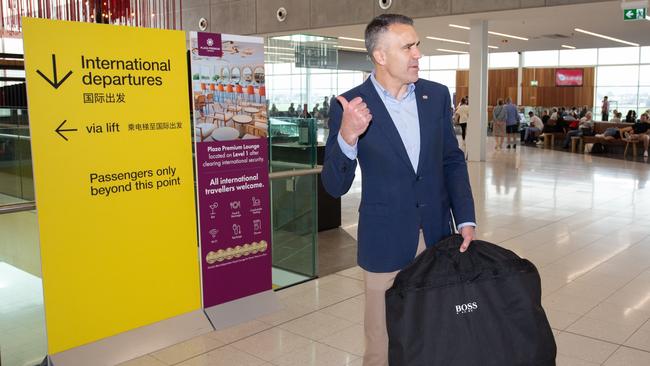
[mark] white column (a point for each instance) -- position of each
(478, 119)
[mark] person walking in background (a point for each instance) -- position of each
(409, 147)
(462, 116)
(512, 123)
(499, 124)
(605, 109)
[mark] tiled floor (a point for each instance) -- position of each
(581, 219)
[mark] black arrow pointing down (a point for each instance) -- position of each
(56, 83)
(59, 130)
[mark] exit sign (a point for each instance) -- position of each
(634, 14)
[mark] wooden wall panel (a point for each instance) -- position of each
(502, 83)
(548, 95)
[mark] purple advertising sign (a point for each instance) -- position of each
(210, 44)
(234, 214)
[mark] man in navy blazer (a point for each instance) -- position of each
(414, 176)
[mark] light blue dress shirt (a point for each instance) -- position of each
(404, 114)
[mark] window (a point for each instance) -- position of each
(424, 62)
(644, 98)
(443, 62)
(617, 75)
(541, 58)
(645, 55)
(644, 75)
(446, 77)
(321, 81)
(618, 55)
(503, 60)
(622, 98)
(587, 56)
(12, 45)
(463, 62)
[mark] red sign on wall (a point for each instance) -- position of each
(568, 77)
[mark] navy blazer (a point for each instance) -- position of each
(396, 201)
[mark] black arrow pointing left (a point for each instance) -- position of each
(56, 83)
(59, 130)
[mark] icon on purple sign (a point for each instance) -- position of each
(256, 202)
(213, 233)
(234, 205)
(257, 225)
(236, 229)
(213, 207)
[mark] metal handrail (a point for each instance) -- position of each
(17, 137)
(17, 207)
(296, 172)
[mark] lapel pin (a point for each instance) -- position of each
(425, 97)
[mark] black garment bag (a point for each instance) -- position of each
(478, 308)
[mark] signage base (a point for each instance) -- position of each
(243, 310)
(135, 343)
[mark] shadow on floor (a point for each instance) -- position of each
(337, 250)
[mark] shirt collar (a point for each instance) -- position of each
(385, 94)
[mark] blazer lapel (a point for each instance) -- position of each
(382, 119)
(425, 111)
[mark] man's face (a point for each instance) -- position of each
(398, 52)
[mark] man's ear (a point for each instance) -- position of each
(379, 55)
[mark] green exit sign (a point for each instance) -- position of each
(634, 14)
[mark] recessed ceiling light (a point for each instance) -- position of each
(455, 41)
(491, 32)
(606, 37)
(446, 40)
(351, 48)
(507, 35)
(451, 51)
(458, 26)
(352, 39)
(569, 47)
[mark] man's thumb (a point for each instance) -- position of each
(343, 101)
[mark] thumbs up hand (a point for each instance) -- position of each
(356, 118)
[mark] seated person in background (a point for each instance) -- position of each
(572, 123)
(585, 128)
(617, 117)
(551, 124)
(562, 125)
(545, 117)
(630, 117)
(274, 110)
(639, 131)
(611, 133)
(315, 112)
(535, 128)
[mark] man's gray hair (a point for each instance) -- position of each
(380, 25)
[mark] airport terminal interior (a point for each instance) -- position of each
(576, 207)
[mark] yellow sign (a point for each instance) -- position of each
(110, 130)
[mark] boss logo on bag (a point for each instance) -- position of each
(466, 308)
